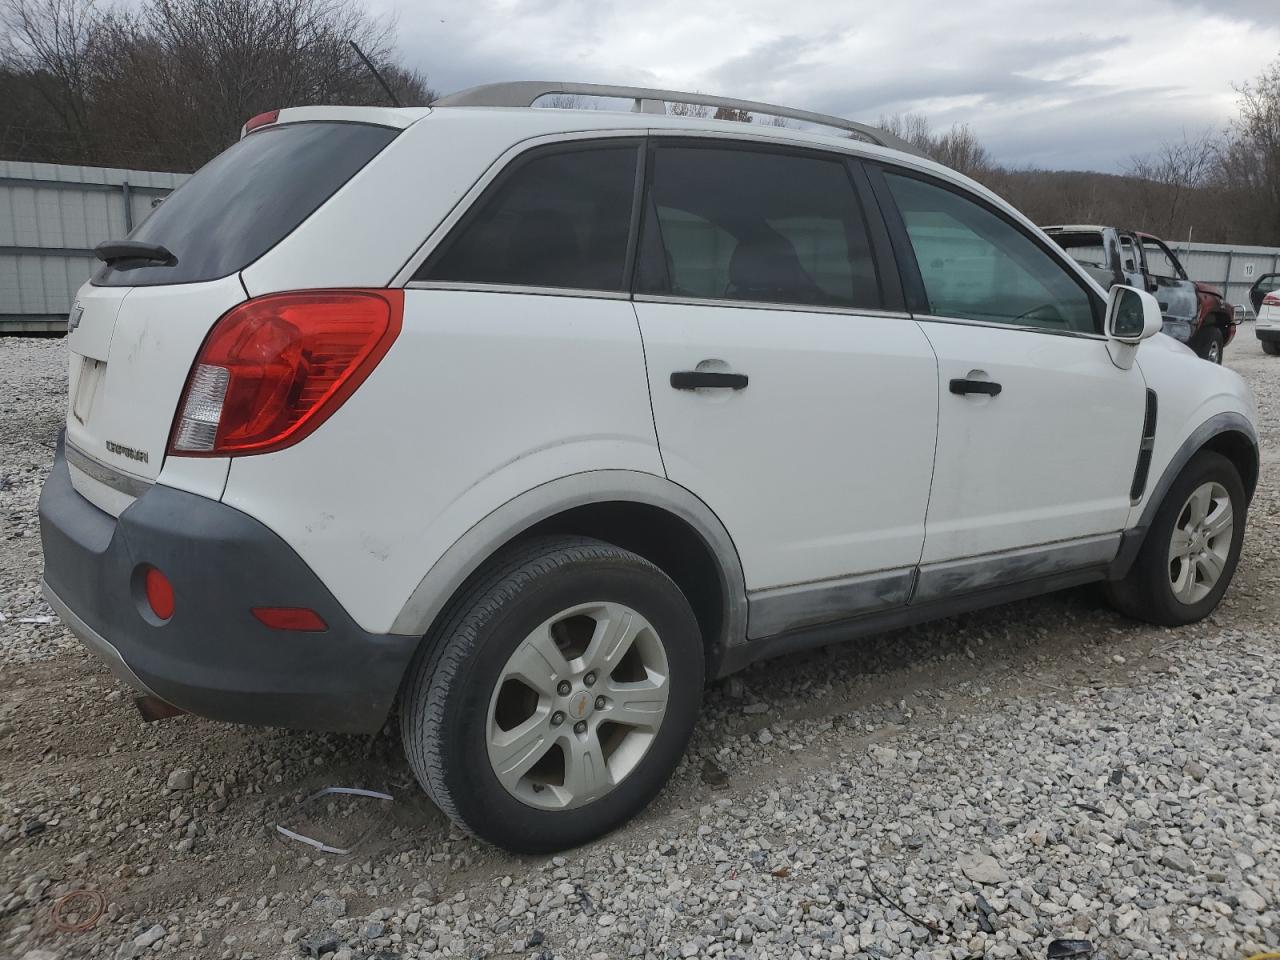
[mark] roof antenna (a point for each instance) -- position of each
(395, 101)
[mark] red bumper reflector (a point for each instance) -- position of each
(290, 618)
(159, 593)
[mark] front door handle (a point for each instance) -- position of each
(988, 387)
(700, 379)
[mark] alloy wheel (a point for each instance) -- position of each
(1201, 543)
(577, 705)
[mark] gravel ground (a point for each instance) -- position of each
(975, 788)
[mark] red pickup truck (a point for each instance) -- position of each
(1195, 313)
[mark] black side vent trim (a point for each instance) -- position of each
(1144, 450)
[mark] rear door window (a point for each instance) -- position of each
(247, 199)
(559, 218)
(740, 224)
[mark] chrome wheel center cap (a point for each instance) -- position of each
(579, 706)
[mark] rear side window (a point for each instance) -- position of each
(558, 219)
(738, 224)
(248, 198)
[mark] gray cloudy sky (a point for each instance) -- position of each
(1082, 84)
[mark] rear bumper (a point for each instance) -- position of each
(1268, 333)
(212, 657)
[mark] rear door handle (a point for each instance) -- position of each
(699, 379)
(990, 388)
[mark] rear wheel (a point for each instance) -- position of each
(557, 697)
(1211, 344)
(1192, 548)
(1271, 347)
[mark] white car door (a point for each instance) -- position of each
(785, 395)
(1038, 431)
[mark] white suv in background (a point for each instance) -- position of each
(531, 421)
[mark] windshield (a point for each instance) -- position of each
(247, 199)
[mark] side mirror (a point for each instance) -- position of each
(1133, 315)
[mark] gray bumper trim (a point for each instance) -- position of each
(96, 642)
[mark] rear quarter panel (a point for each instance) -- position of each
(483, 397)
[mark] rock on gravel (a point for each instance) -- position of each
(982, 868)
(151, 936)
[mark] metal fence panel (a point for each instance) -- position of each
(1231, 268)
(51, 217)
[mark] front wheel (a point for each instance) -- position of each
(1192, 548)
(557, 697)
(1211, 344)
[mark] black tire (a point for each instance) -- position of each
(445, 702)
(1211, 345)
(1146, 593)
(1271, 347)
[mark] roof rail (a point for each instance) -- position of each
(523, 93)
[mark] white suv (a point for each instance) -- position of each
(531, 421)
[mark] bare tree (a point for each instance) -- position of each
(1249, 172)
(732, 113)
(1168, 177)
(567, 101)
(911, 127)
(50, 44)
(698, 110)
(168, 83)
(958, 148)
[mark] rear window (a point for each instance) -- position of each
(247, 199)
(1086, 249)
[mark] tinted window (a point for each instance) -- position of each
(557, 220)
(248, 198)
(978, 266)
(734, 224)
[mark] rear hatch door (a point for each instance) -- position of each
(138, 326)
(131, 351)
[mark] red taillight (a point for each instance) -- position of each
(1272, 300)
(159, 593)
(290, 618)
(261, 120)
(275, 368)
